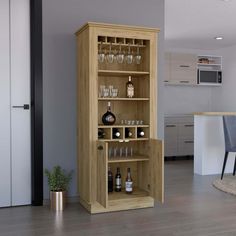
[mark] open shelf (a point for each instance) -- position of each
(127, 159)
(122, 73)
(122, 126)
(137, 192)
(208, 64)
(107, 44)
(123, 99)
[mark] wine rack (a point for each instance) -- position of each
(107, 56)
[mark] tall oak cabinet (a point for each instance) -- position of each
(96, 153)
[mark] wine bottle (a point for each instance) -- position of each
(129, 88)
(118, 180)
(140, 132)
(115, 133)
(101, 133)
(108, 118)
(110, 180)
(128, 182)
(128, 133)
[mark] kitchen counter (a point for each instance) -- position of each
(215, 113)
(209, 144)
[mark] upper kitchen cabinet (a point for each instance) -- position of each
(181, 69)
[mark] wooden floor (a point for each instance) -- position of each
(192, 208)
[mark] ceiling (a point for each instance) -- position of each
(195, 23)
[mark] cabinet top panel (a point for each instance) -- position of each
(116, 26)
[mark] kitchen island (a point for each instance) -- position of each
(209, 145)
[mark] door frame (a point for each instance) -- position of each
(36, 87)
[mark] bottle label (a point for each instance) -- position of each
(130, 91)
(118, 181)
(128, 186)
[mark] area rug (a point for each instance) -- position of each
(227, 184)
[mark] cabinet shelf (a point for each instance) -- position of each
(123, 99)
(123, 140)
(127, 159)
(123, 195)
(122, 126)
(122, 73)
(208, 64)
(107, 44)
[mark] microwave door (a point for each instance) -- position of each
(209, 77)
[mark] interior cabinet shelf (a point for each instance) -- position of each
(122, 126)
(123, 99)
(127, 159)
(137, 193)
(107, 44)
(122, 73)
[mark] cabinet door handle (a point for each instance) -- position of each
(170, 125)
(185, 66)
(188, 125)
(184, 81)
(188, 142)
(25, 106)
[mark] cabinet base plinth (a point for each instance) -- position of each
(119, 205)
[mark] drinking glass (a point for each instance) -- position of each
(138, 56)
(110, 90)
(110, 55)
(114, 93)
(106, 92)
(129, 56)
(101, 93)
(101, 54)
(120, 56)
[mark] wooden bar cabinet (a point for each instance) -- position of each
(96, 153)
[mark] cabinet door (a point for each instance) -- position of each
(171, 136)
(183, 68)
(167, 67)
(157, 169)
(102, 159)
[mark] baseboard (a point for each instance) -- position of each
(177, 158)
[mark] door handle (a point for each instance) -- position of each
(25, 106)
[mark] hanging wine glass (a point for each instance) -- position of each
(101, 54)
(138, 56)
(110, 55)
(129, 56)
(120, 56)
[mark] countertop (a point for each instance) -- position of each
(214, 113)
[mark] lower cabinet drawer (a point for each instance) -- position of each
(185, 147)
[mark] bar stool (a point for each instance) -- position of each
(229, 124)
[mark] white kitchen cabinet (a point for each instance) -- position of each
(181, 69)
(179, 135)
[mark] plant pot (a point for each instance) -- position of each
(58, 200)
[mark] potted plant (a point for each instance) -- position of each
(58, 181)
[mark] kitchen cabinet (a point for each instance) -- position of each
(181, 69)
(98, 152)
(179, 135)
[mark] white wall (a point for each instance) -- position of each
(224, 98)
(60, 20)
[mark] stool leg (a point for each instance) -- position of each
(234, 166)
(225, 160)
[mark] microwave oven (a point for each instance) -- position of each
(209, 77)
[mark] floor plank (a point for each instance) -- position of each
(192, 208)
